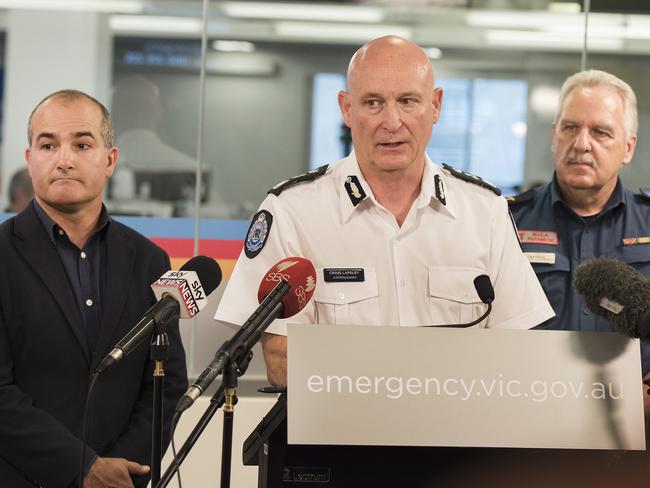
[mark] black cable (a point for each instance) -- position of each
(85, 428)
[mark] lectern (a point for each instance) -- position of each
(284, 465)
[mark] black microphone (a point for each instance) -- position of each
(284, 291)
(485, 291)
(180, 293)
(617, 292)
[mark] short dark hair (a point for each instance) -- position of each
(20, 182)
(70, 94)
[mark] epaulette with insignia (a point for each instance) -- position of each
(522, 197)
(644, 193)
(470, 178)
(308, 176)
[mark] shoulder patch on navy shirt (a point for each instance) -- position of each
(521, 198)
(470, 178)
(258, 233)
(308, 176)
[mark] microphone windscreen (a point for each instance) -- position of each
(484, 288)
(208, 271)
(615, 291)
(300, 274)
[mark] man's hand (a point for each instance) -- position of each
(113, 473)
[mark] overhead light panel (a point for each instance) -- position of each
(517, 38)
(155, 24)
(339, 32)
(565, 7)
(110, 6)
(233, 46)
(304, 11)
(433, 52)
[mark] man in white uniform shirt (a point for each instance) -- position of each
(395, 239)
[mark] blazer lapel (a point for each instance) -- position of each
(120, 259)
(34, 245)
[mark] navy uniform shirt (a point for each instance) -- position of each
(557, 241)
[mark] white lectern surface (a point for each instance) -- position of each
(354, 385)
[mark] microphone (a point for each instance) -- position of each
(179, 293)
(617, 292)
(284, 291)
(485, 291)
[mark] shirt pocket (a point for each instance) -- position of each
(453, 299)
(637, 256)
(355, 302)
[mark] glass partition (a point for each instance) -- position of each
(268, 97)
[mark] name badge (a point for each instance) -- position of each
(538, 237)
(338, 275)
(541, 257)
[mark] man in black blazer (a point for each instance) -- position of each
(72, 283)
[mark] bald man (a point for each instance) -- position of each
(395, 239)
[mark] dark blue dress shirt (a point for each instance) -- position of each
(547, 225)
(84, 269)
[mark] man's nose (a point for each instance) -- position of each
(582, 142)
(392, 118)
(65, 162)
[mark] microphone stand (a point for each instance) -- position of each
(216, 402)
(159, 350)
(235, 355)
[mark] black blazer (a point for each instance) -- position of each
(45, 362)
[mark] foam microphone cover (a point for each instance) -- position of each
(208, 271)
(484, 288)
(615, 291)
(300, 274)
(190, 285)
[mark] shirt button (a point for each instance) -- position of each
(89, 302)
(83, 255)
(341, 295)
(61, 232)
(586, 311)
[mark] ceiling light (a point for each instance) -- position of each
(151, 23)
(514, 38)
(233, 46)
(287, 11)
(355, 32)
(565, 7)
(433, 52)
(112, 6)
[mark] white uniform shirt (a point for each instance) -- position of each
(421, 273)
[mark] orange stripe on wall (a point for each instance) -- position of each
(226, 265)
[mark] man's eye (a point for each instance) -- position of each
(82, 145)
(46, 146)
(372, 103)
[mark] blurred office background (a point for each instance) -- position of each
(265, 107)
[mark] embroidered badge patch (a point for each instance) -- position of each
(257, 233)
(538, 237)
(633, 241)
(440, 189)
(331, 275)
(354, 189)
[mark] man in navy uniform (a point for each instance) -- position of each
(585, 211)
